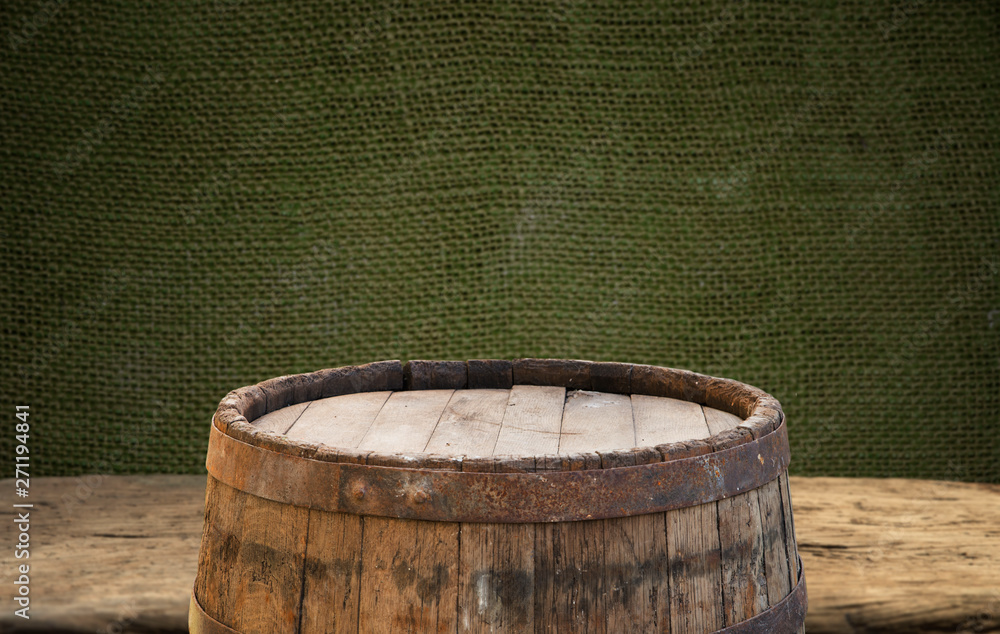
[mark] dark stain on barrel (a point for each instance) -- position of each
(338, 568)
(411, 619)
(229, 550)
(262, 563)
(427, 586)
(696, 565)
(587, 589)
(403, 574)
(430, 588)
(503, 592)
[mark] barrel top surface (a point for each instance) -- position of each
(520, 415)
(524, 420)
(528, 440)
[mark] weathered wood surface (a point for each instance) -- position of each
(693, 546)
(108, 553)
(332, 573)
(489, 594)
(664, 420)
(899, 555)
(265, 542)
(343, 419)
(880, 555)
(524, 420)
(534, 418)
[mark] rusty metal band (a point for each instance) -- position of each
(784, 617)
(459, 496)
(199, 622)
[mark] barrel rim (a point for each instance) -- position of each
(761, 412)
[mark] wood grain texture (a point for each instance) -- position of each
(331, 593)
(872, 549)
(566, 373)
(250, 567)
(376, 376)
(791, 542)
(596, 421)
(779, 580)
(637, 571)
(661, 420)
(435, 375)
(744, 585)
(611, 377)
(694, 557)
(339, 421)
(409, 576)
(720, 421)
(409, 570)
(741, 538)
(490, 374)
(470, 423)
(788, 518)
(406, 421)
(98, 542)
(636, 567)
(281, 420)
(497, 578)
(532, 421)
(585, 420)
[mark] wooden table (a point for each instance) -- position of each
(119, 554)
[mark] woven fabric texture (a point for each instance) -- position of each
(802, 196)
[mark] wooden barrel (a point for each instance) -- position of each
(495, 496)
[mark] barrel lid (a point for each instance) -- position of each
(522, 421)
(498, 415)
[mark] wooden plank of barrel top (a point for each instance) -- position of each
(872, 549)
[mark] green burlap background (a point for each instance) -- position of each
(201, 195)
